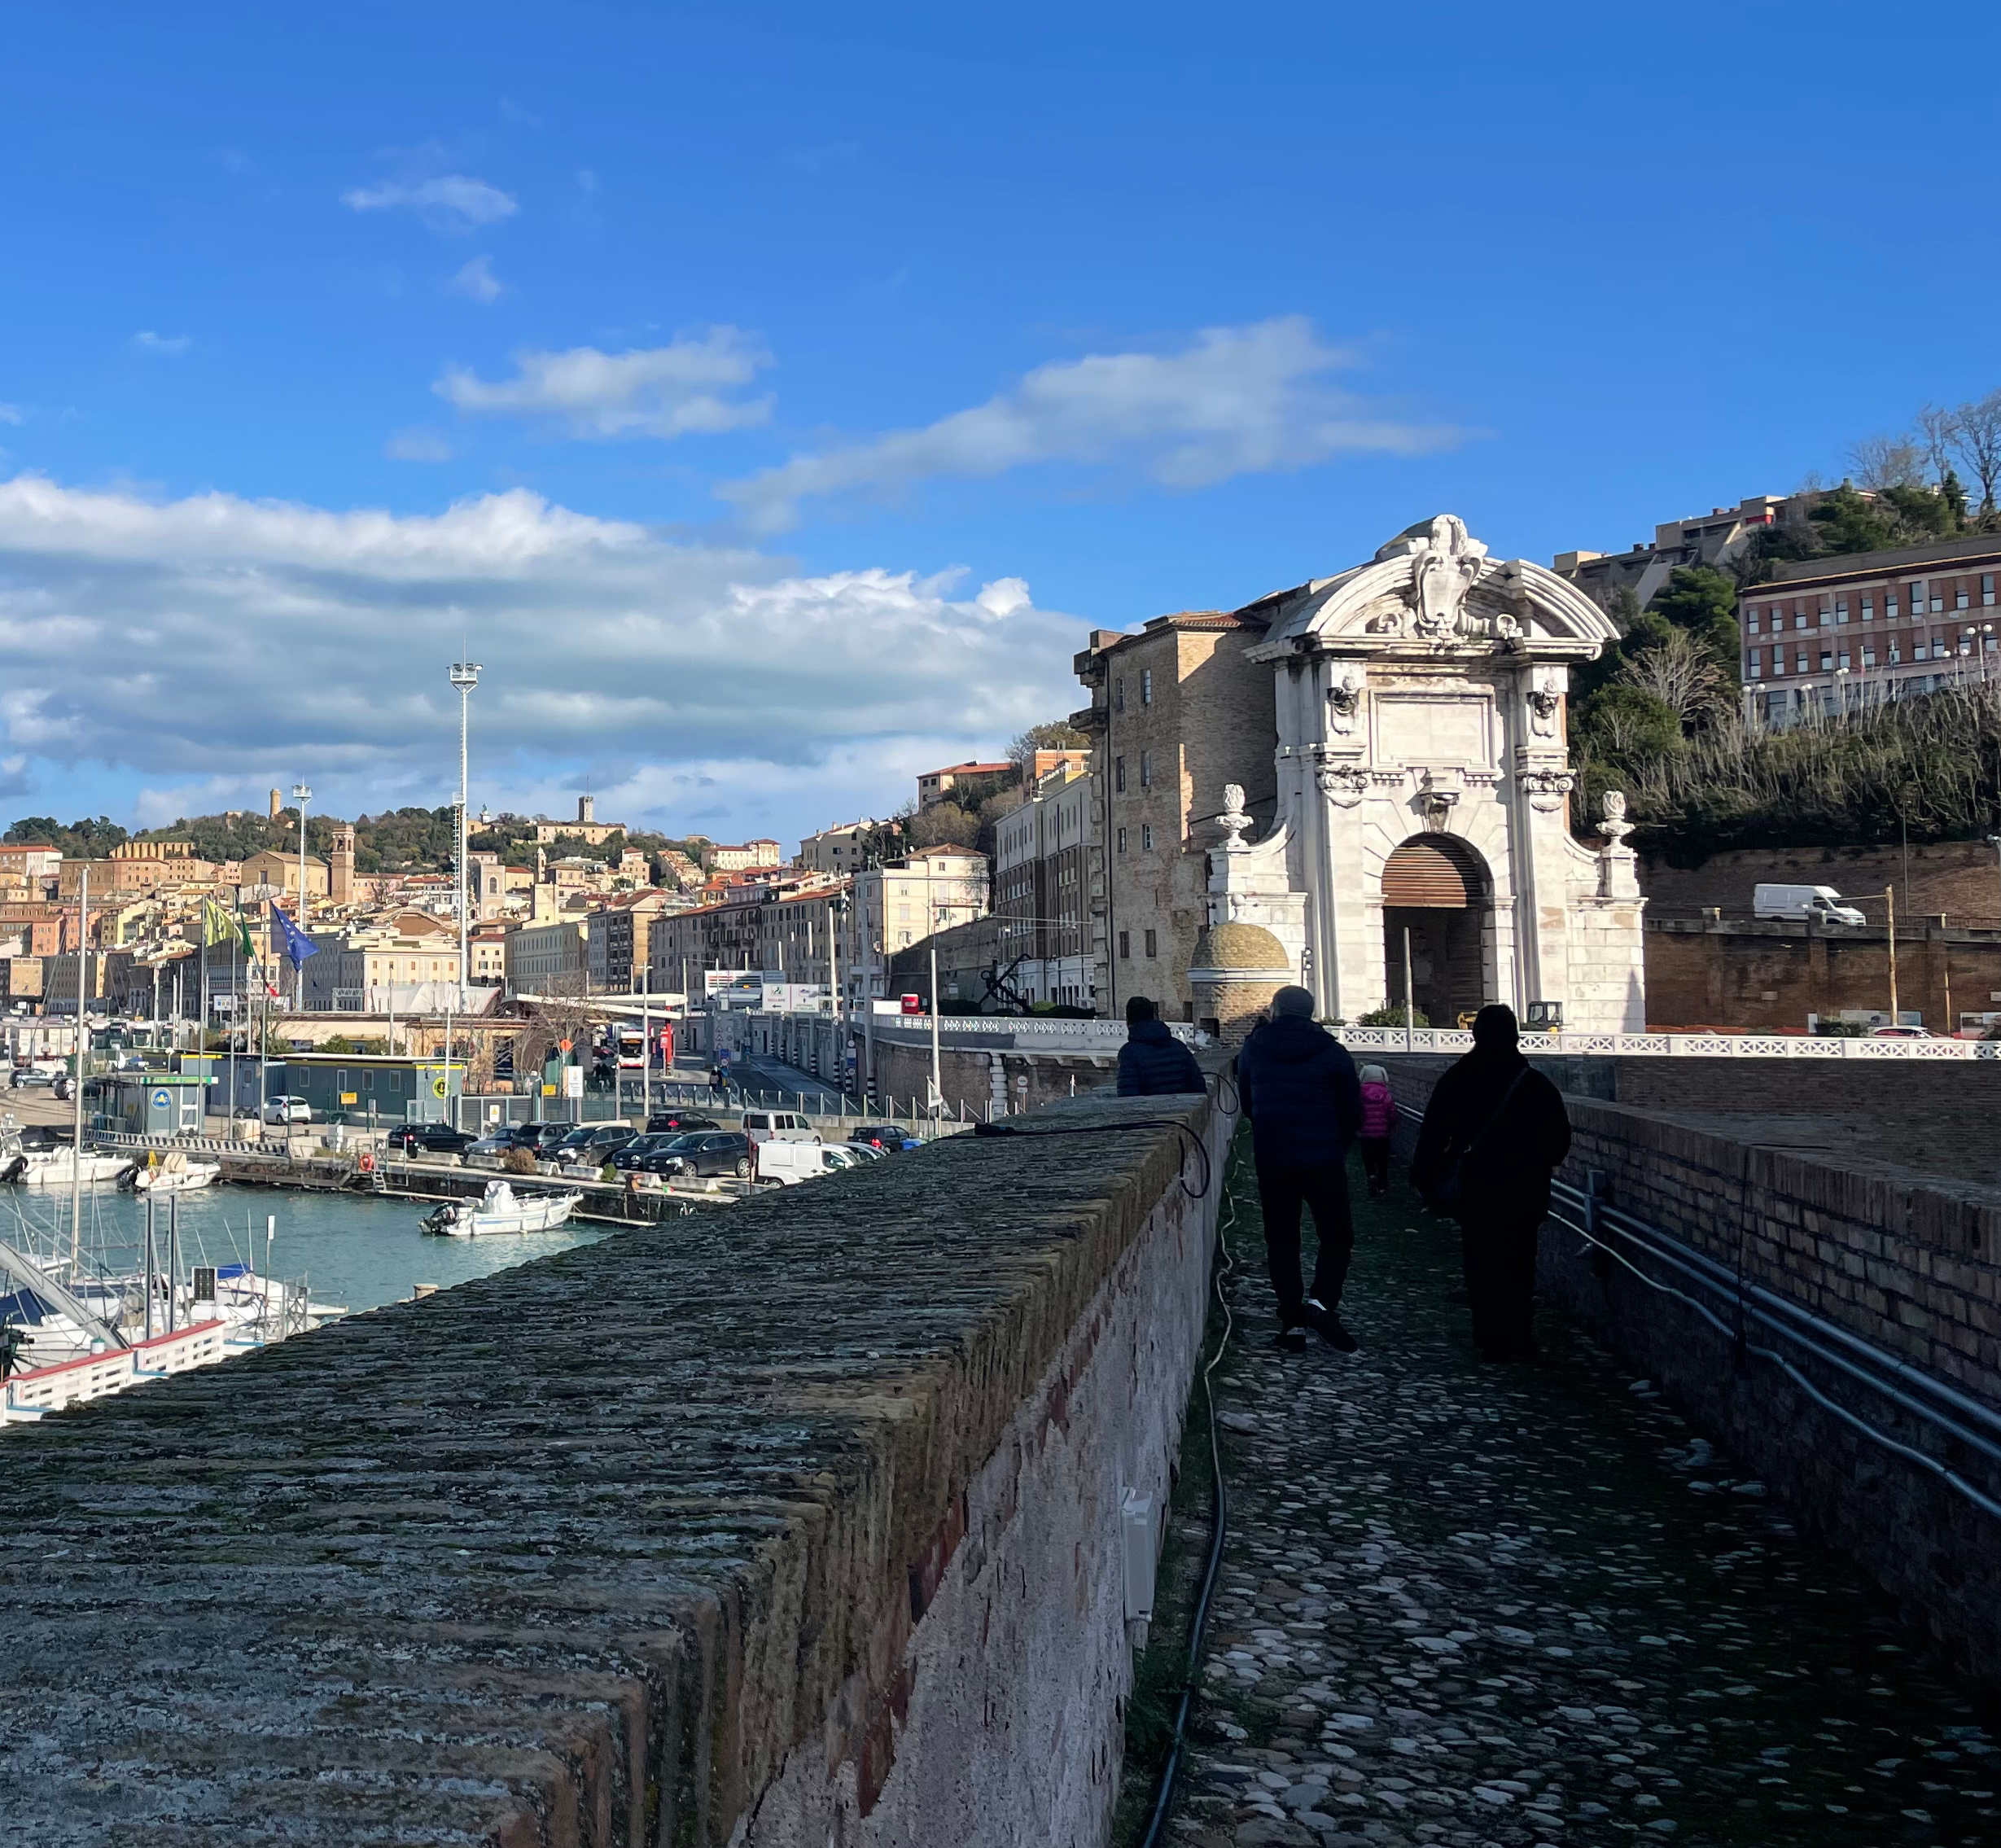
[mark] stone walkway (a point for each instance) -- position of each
(1469, 1605)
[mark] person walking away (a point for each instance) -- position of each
(1304, 1101)
(1153, 1063)
(1494, 1131)
(1378, 1122)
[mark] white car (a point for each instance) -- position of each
(1888, 1032)
(282, 1109)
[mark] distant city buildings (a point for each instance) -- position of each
(1716, 538)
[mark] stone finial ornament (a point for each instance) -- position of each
(1234, 820)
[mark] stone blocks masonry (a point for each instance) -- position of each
(793, 1524)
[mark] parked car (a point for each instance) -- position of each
(430, 1139)
(778, 1126)
(707, 1152)
(590, 1145)
(634, 1153)
(786, 1164)
(887, 1137)
(284, 1108)
(25, 1075)
(679, 1122)
(1888, 1032)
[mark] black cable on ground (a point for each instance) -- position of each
(1219, 1531)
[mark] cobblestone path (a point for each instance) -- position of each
(1468, 1605)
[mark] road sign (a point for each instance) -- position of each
(437, 1087)
(573, 1081)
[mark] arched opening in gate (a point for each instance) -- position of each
(1438, 898)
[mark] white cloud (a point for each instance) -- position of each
(672, 391)
(1237, 401)
(166, 346)
(217, 643)
(477, 279)
(450, 202)
(417, 445)
(12, 413)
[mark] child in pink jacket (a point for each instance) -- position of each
(1378, 1119)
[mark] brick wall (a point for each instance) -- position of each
(795, 1523)
(1910, 1262)
(1765, 976)
(1959, 878)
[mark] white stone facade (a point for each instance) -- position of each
(1421, 698)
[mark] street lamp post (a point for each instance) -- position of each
(465, 677)
(301, 795)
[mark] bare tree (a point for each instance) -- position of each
(1679, 673)
(1977, 440)
(1055, 734)
(1878, 462)
(1937, 435)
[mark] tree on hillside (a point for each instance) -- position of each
(85, 839)
(1977, 441)
(1680, 673)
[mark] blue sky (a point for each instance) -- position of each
(773, 394)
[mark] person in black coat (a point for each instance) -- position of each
(1153, 1063)
(1503, 1124)
(1300, 1091)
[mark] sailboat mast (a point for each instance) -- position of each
(75, 1147)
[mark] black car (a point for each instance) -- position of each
(591, 1144)
(431, 1139)
(634, 1153)
(707, 1152)
(886, 1136)
(678, 1123)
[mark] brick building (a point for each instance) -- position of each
(1836, 634)
(1176, 712)
(1042, 878)
(615, 954)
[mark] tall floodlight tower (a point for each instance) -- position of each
(301, 795)
(465, 677)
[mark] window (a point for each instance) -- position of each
(1889, 605)
(1118, 775)
(1827, 660)
(1918, 650)
(1841, 660)
(1799, 667)
(1754, 615)
(1125, 946)
(1961, 599)
(1153, 944)
(1841, 610)
(1986, 588)
(1146, 838)
(1146, 686)
(1118, 696)
(1868, 654)
(1146, 769)
(1868, 609)
(1757, 669)
(1827, 615)
(1122, 840)
(1799, 618)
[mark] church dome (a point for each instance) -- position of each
(1239, 952)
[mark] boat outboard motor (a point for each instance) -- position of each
(15, 1169)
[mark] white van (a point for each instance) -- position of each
(778, 1126)
(1800, 904)
(786, 1164)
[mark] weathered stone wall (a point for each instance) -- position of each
(793, 1524)
(1910, 1263)
(974, 1081)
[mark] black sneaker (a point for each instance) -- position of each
(1326, 1324)
(1293, 1340)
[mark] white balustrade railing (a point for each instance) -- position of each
(1673, 1045)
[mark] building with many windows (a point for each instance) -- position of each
(894, 906)
(1042, 884)
(1836, 634)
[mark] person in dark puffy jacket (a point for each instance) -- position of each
(1153, 1063)
(1300, 1092)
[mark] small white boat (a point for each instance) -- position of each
(500, 1209)
(57, 1167)
(175, 1171)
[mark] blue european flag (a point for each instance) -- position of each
(298, 945)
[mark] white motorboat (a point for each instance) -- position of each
(57, 1167)
(175, 1171)
(500, 1209)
